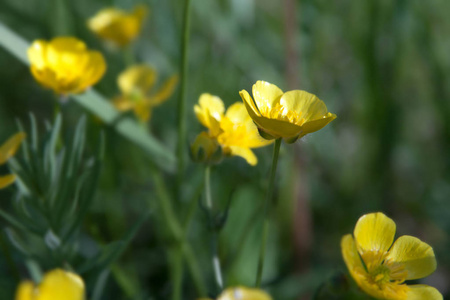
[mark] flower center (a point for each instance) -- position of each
(383, 271)
(280, 112)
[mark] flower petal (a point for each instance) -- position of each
(165, 91)
(374, 232)
(415, 256)
(209, 112)
(312, 126)
(9, 148)
(237, 113)
(138, 78)
(304, 104)
(242, 293)
(266, 95)
(36, 54)
(25, 291)
(278, 128)
(351, 257)
(7, 180)
(59, 284)
(249, 104)
(422, 291)
(245, 153)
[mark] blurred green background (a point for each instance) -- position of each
(382, 66)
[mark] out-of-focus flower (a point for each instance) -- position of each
(136, 84)
(242, 293)
(118, 26)
(56, 284)
(7, 150)
(233, 130)
(65, 65)
(289, 115)
(206, 149)
(380, 268)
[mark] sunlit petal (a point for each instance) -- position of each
(374, 232)
(25, 291)
(242, 293)
(9, 148)
(422, 292)
(59, 284)
(266, 95)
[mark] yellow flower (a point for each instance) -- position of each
(56, 284)
(136, 84)
(65, 65)
(7, 150)
(289, 115)
(380, 267)
(242, 293)
(234, 130)
(118, 26)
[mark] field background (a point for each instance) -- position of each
(382, 66)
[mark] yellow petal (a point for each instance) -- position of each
(37, 54)
(237, 113)
(124, 103)
(165, 91)
(94, 70)
(422, 292)
(245, 153)
(204, 147)
(138, 78)
(374, 232)
(305, 105)
(312, 126)
(25, 291)
(242, 293)
(59, 284)
(9, 148)
(351, 258)
(249, 104)
(7, 180)
(209, 112)
(414, 255)
(266, 95)
(143, 111)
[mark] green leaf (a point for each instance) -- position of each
(99, 106)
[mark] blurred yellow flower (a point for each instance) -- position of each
(7, 150)
(234, 130)
(65, 65)
(242, 293)
(56, 285)
(118, 26)
(289, 115)
(380, 267)
(135, 84)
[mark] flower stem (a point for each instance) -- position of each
(214, 237)
(267, 205)
(181, 115)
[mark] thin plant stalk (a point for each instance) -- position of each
(267, 205)
(214, 239)
(181, 107)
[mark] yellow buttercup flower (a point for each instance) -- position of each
(118, 26)
(233, 129)
(380, 266)
(289, 115)
(56, 284)
(7, 150)
(242, 293)
(136, 84)
(65, 65)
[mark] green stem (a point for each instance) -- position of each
(267, 205)
(214, 238)
(171, 222)
(181, 114)
(175, 256)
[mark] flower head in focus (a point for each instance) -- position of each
(289, 115)
(234, 130)
(137, 87)
(380, 266)
(65, 65)
(55, 285)
(242, 293)
(118, 26)
(7, 150)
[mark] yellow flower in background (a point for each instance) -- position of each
(118, 26)
(380, 266)
(233, 129)
(136, 85)
(7, 150)
(242, 293)
(55, 285)
(289, 115)
(65, 65)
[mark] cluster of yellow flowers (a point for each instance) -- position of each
(379, 265)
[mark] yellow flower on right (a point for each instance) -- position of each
(289, 115)
(380, 266)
